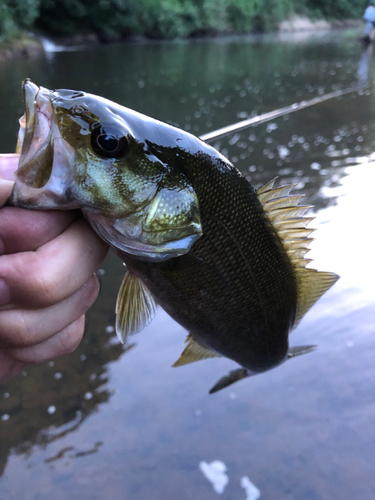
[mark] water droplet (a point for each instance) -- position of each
(5, 417)
(109, 329)
(232, 395)
(82, 357)
(6, 395)
(198, 413)
(51, 364)
(283, 151)
(58, 375)
(100, 272)
(51, 409)
(271, 127)
(88, 395)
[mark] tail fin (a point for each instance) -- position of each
(241, 373)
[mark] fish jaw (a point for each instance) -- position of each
(127, 236)
(44, 176)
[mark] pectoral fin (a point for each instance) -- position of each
(194, 351)
(135, 307)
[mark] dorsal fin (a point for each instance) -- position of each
(135, 307)
(194, 351)
(287, 217)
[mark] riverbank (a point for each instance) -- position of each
(31, 45)
(27, 45)
(302, 23)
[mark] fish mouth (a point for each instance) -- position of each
(34, 137)
(43, 180)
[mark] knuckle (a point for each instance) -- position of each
(90, 292)
(42, 284)
(20, 332)
(71, 336)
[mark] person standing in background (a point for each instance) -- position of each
(369, 20)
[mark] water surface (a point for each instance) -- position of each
(110, 421)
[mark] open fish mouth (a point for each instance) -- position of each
(43, 176)
(34, 138)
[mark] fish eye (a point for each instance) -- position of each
(109, 142)
(78, 110)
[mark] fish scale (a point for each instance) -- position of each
(262, 288)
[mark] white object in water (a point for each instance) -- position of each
(252, 491)
(215, 473)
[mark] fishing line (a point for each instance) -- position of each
(271, 115)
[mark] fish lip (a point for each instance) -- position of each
(30, 92)
(35, 164)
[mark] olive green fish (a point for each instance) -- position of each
(225, 261)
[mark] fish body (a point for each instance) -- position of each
(225, 261)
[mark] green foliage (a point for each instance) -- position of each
(116, 19)
(333, 9)
(107, 18)
(169, 18)
(16, 15)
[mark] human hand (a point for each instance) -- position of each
(47, 261)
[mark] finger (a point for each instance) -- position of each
(5, 191)
(52, 273)
(62, 343)
(25, 230)
(8, 165)
(25, 328)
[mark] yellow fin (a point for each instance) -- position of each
(287, 217)
(194, 351)
(135, 307)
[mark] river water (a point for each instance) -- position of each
(110, 421)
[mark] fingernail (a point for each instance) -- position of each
(4, 293)
(8, 165)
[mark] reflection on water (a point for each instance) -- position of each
(96, 424)
(363, 66)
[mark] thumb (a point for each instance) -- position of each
(8, 165)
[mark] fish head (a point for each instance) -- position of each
(79, 150)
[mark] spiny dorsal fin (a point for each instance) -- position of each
(194, 351)
(287, 217)
(135, 307)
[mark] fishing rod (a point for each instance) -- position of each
(271, 115)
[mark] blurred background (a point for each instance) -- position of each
(114, 421)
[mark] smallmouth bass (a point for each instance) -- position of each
(225, 261)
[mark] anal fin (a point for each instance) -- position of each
(194, 351)
(135, 307)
